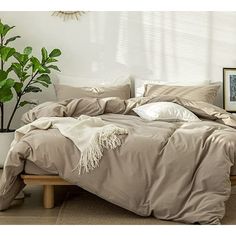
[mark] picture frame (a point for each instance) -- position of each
(229, 89)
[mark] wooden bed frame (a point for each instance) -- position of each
(49, 181)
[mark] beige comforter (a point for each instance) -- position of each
(175, 171)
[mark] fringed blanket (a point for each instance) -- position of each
(89, 134)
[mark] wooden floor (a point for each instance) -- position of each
(30, 210)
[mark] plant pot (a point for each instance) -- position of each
(5, 142)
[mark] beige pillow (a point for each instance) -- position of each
(140, 84)
(65, 92)
(205, 93)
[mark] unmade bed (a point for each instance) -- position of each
(173, 170)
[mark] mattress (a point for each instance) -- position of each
(33, 169)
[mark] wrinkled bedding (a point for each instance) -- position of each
(176, 171)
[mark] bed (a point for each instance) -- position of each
(144, 174)
(33, 175)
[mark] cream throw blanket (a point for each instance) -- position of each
(89, 134)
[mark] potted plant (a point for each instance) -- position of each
(20, 73)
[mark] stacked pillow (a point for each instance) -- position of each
(168, 111)
(198, 91)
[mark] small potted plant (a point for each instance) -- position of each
(20, 73)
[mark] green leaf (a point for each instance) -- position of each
(27, 50)
(17, 69)
(45, 78)
(6, 53)
(5, 90)
(44, 69)
(7, 28)
(33, 89)
(3, 75)
(42, 83)
(7, 83)
(1, 27)
(5, 94)
(35, 63)
(18, 86)
(35, 60)
(54, 67)
(18, 56)
(55, 53)
(44, 54)
(2, 83)
(11, 39)
(21, 58)
(50, 60)
(26, 102)
(28, 66)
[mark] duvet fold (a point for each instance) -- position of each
(95, 107)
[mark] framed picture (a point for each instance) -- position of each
(229, 89)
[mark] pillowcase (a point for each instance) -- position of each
(165, 111)
(93, 81)
(205, 93)
(140, 84)
(65, 92)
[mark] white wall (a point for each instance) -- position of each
(170, 46)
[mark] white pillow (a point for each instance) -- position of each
(165, 111)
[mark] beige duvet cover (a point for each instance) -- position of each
(175, 171)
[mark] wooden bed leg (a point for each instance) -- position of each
(48, 196)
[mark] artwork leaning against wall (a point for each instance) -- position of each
(229, 89)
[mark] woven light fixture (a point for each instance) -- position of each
(68, 15)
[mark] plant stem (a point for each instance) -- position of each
(1, 44)
(1, 103)
(33, 76)
(2, 116)
(13, 113)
